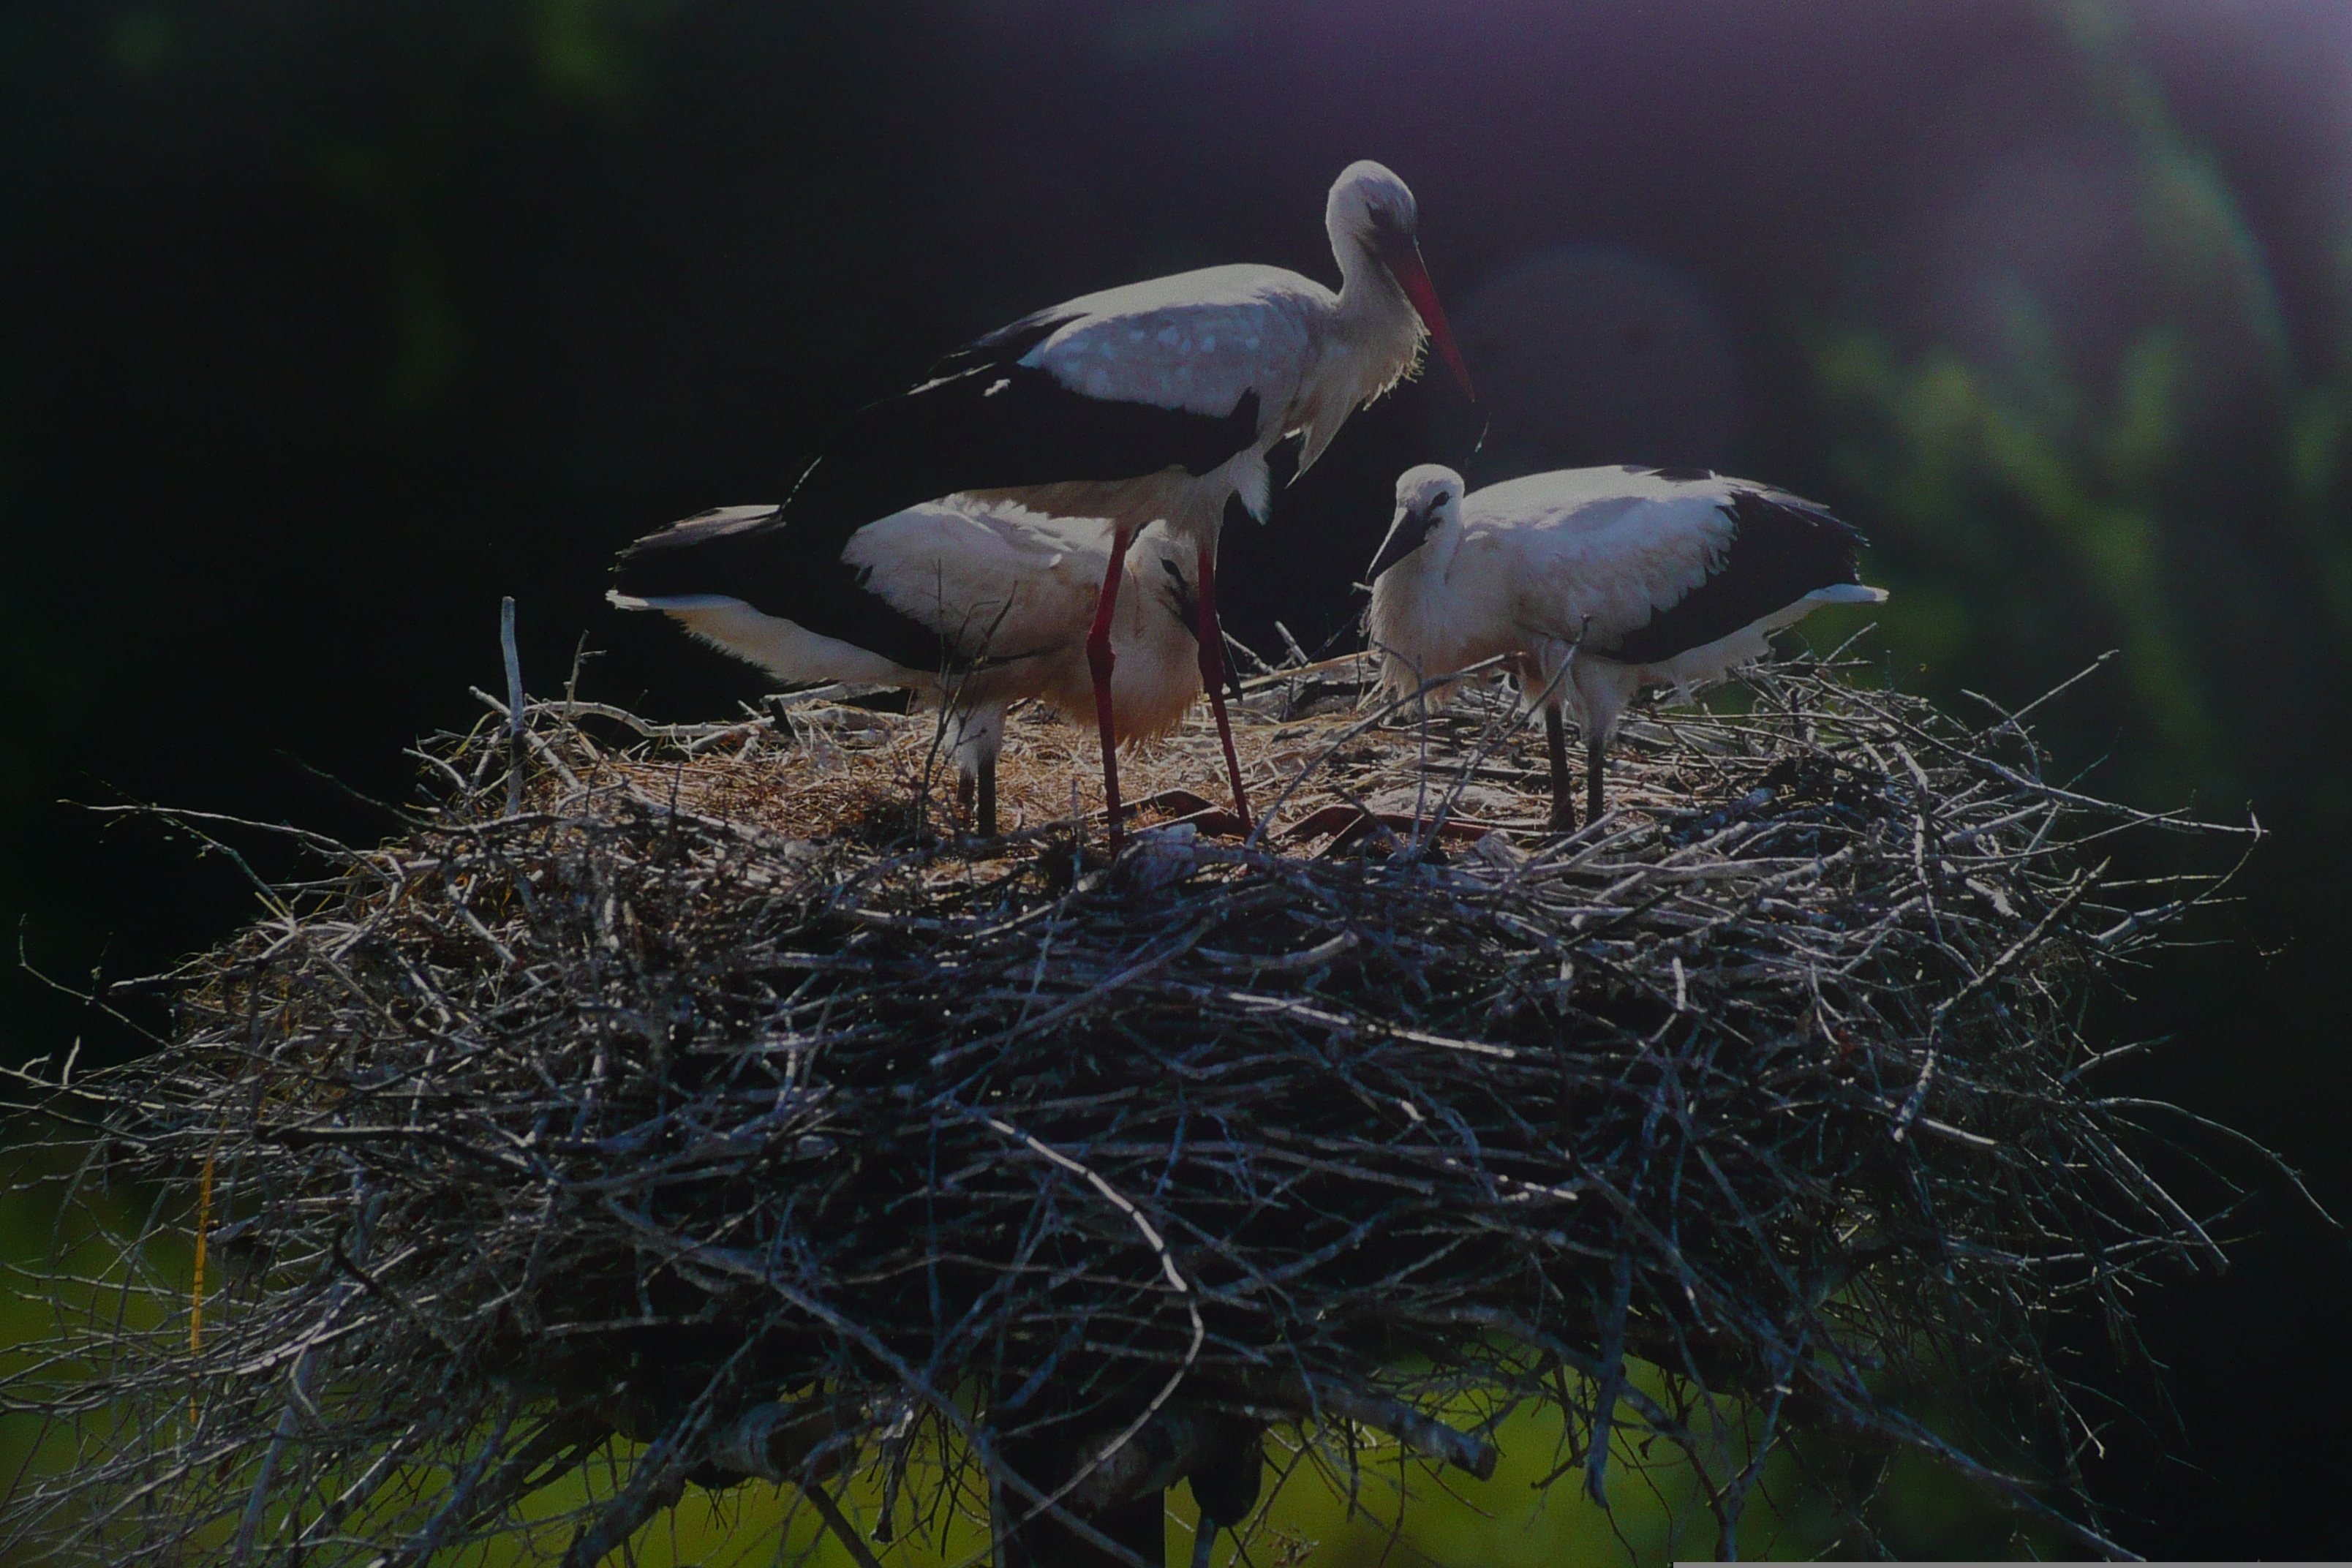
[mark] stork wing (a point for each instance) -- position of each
(993, 580)
(984, 421)
(793, 573)
(988, 421)
(1781, 548)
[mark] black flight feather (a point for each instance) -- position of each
(1781, 549)
(992, 423)
(984, 421)
(743, 552)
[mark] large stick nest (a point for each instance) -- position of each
(705, 1119)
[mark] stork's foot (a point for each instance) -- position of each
(1213, 820)
(1182, 806)
(1172, 803)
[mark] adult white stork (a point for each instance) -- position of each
(971, 606)
(1599, 582)
(1158, 401)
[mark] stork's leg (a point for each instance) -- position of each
(1563, 802)
(985, 825)
(1099, 660)
(1212, 638)
(964, 793)
(1593, 768)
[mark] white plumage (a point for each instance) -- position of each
(1008, 594)
(1202, 343)
(1264, 351)
(1597, 583)
(1153, 403)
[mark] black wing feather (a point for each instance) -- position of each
(1781, 549)
(788, 572)
(996, 424)
(984, 421)
(1002, 346)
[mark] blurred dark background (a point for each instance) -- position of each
(325, 325)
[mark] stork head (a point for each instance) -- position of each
(1179, 592)
(1370, 213)
(1429, 505)
(1370, 207)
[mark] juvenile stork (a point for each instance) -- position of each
(1155, 402)
(971, 605)
(1599, 582)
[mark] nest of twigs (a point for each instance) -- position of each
(693, 1112)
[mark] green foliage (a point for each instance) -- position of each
(426, 340)
(1987, 483)
(583, 49)
(140, 39)
(2318, 431)
(2036, 509)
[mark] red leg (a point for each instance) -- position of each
(1212, 638)
(1099, 659)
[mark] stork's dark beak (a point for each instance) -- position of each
(1405, 536)
(1404, 264)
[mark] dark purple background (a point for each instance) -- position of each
(326, 325)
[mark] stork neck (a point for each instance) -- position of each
(1425, 571)
(1377, 331)
(1409, 608)
(1370, 299)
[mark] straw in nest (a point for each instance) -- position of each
(698, 1114)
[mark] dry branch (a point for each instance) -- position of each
(700, 1118)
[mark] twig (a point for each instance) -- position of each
(514, 704)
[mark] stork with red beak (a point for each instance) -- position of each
(1155, 402)
(1597, 583)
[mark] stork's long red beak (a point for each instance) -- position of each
(1405, 265)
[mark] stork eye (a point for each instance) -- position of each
(1440, 498)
